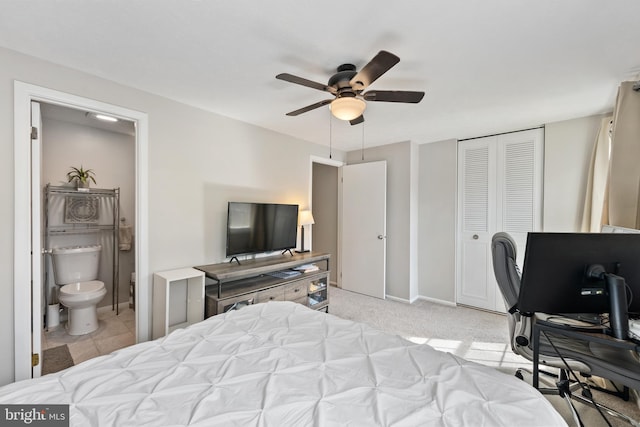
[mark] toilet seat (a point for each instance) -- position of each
(82, 291)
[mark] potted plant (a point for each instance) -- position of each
(81, 176)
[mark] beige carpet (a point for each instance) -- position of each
(473, 334)
(56, 359)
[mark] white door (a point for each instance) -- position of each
(364, 208)
(37, 257)
(476, 199)
(500, 189)
(520, 182)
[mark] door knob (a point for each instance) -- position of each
(475, 237)
(381, 237)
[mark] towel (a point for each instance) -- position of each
(125, 237)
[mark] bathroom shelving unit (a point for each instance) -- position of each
(85, 211)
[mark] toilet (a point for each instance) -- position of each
(75, 270)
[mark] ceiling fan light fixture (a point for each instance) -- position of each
(347, 107)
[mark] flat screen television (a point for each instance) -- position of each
(554, 278)
(260, 227)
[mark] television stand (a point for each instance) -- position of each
(229, 285)
(234, 258)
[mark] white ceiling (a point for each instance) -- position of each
(486, 66)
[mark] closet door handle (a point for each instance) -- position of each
(475, 237)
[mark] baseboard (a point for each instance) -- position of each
(392, 298)
(420, 297)
(437, 301)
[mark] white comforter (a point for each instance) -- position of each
(282, 364)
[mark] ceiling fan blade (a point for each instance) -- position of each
(304, 82)
(310, 107)
(394, 96)
(380, 64)
(357, 120)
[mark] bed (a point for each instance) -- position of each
(282, 364)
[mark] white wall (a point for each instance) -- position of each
(567, 155)
(402, 187)
(197, 162)
(437, 225)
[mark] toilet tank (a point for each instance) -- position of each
(75, 264)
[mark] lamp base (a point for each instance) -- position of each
(302, 249)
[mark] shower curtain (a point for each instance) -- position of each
(624, 176)
(596, 207)
(613, 187)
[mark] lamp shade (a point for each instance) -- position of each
(305, 218)
(347, 107)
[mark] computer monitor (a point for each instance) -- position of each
(554, 279)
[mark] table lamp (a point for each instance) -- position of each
(304, 218)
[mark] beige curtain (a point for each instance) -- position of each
(624, 175)
(595, 212)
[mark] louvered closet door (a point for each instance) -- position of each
(476, 206)
(520, 155)
(499, 189)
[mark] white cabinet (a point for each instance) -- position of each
(499, 189)
(178, 300)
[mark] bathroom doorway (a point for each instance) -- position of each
(28, 299)
(325, 206)
(101, 216)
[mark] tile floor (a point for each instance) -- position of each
(114, 332)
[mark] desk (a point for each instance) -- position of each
(608, 357)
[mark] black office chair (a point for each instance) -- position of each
(507, 273)
(577, 356)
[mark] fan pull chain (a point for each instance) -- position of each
(362, 140)
(330, 135)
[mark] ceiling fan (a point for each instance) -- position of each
(348, 86)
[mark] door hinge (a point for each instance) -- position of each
(34, 132)
(35, 359)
